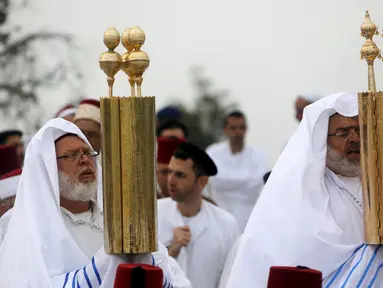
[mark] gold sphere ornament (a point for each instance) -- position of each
(112, 38)
(110, 61)
(137, 63)
(368, 28)
(136, 37)
(125, 40)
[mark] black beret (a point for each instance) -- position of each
(7, 133)
(199, 157)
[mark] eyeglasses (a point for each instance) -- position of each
(75, 156)
(346, 132)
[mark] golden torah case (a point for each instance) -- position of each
(128, 151)
(371, 134)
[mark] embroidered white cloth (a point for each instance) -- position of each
(38, 250)
(306, 214)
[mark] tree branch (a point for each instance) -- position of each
(20, 45)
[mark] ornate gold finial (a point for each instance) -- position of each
(110, 61)
(369, 51)
(368, 28)
(134, 61)
(124, 67)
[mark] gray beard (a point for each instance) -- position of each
(340, 165)
(76, 191)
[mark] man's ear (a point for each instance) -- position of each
(202, 181)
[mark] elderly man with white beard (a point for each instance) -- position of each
(310, 212)
(54, 233)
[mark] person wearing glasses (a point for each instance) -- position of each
(311, 210)
(54, 233)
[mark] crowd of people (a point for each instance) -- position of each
(225, 218)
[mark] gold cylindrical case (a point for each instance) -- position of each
(371, 137)
(130, 211)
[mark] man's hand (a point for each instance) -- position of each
(181, 238)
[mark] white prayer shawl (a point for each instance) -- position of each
(89, 238)
(38, 250)
(305, 216)
(213, 233)
(229, 263)
(239, 181)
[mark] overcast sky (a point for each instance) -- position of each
(263, 52)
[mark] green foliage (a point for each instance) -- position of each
(205, 119)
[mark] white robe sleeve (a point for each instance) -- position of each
(172, 271)
(101, 271)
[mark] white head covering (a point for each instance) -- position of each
(291, 224)
(88, 109)
(37, 245)
(66, 111)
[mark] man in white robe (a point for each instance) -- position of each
(241, 168)
(310, 212)
(197, 233)
(54, 233)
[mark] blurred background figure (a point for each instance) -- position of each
(241, 169)
(8, 189)
(67, 112)
(13, 138)
(10, 171)
(168, 113)
(165, 149)
(9, 159)
(302, 101)
(172, 128)
(88, 119)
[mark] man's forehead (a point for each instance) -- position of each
(162, 165)
(233, 119)
(340, 120)
(178, 164)
(70, 141)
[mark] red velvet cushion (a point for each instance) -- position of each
(139, 275)
(291, 277)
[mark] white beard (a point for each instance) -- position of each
(76, 191)
(341, 165)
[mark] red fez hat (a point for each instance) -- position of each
(9, 160)
(138, 276)
(166, 147)
(66, 111)
(294, 277)
(88, 109)
(9, 183)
